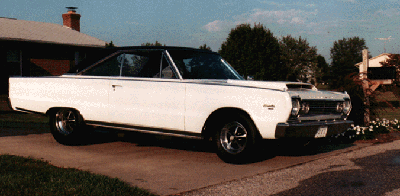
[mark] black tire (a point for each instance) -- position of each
(235, 139)
(66, 126)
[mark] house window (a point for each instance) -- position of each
(14, 62)
(13, 56)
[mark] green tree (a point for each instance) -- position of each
(152, 44)
(322, 74)
(299, 59)
(205, 47)
(345, 53)
(109, 45)
(253, 52)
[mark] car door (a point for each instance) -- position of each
(147, 94)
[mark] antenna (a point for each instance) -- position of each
(385, 39)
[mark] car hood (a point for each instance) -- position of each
(319, 95)
(304, 91)
(260, 84)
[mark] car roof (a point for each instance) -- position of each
(154, 48)
(104, 52)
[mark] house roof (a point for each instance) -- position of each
(375, 61)
(22, 30)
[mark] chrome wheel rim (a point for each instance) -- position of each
(65, 122)
(233, 137)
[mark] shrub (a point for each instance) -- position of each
(376, 127)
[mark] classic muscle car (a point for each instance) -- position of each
(180, 91)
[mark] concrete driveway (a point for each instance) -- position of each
(163, 165)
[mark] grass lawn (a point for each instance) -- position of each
(387, 113)
(25, 176)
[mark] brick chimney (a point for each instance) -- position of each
(71, 19)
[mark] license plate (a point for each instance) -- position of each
(322, 131)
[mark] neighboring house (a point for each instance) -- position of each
(375, 71)
(29, 48)
(375, 61)
(378, 76)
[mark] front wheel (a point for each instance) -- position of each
(66, 126)
(235, 139)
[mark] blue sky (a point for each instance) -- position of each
(193, 23)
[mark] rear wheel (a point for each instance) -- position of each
(235, 139)
(66, 126)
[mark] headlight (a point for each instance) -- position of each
(347, 107)
(305, 108)
(339, 107)
(295, 107)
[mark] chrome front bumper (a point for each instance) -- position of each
(312, 129)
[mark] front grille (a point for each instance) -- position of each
(323, 107)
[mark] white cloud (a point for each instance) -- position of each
(133, 23)
(351, 1)
(389, 12)
(217, 25)
(281, 4)
(281, 17)
(297, 20)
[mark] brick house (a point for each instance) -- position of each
(29, 48)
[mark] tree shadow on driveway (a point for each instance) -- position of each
(295, 147)
(379, 174)
(267, 149)
(17, 123)
(107, 135)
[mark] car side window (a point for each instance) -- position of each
(146, 64)
(167, 71)
(132, 65)
(110, 67)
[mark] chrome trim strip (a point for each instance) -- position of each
(314, 123)
(173, 64)
(28, 111)
(145, 129)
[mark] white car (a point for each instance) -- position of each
(180, 91)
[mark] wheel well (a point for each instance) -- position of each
(52, 111)
(208, 131)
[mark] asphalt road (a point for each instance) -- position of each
(170, 165)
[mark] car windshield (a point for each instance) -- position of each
(202, 65)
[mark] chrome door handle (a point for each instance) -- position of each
(115, 85)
